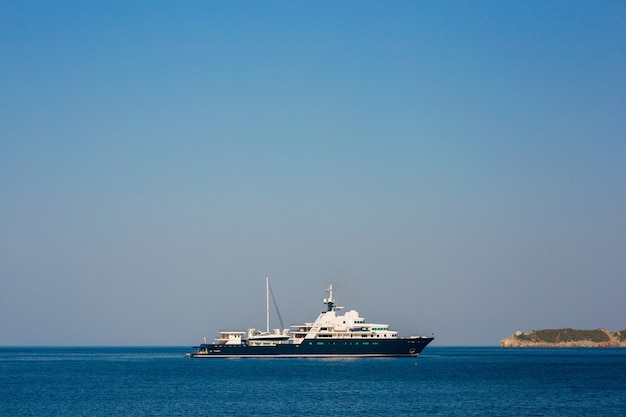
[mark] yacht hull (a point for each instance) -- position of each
(316, 348)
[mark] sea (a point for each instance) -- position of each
(443, 381)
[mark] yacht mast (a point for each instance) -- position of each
(330, 302)
(267, 304)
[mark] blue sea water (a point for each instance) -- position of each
(455, 381)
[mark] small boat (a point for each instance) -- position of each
(331, 335)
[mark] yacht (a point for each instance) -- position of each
(332, 334)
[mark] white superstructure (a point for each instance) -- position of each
(328, 325)
(350, 325)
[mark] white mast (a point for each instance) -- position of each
(330, 302)
(267, 304)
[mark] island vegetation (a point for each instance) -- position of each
(566, 338)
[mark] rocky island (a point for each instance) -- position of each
(567, 338)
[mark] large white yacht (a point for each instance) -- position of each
(332, 334)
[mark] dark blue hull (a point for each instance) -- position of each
(409, 346)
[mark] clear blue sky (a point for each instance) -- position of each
(456, 168)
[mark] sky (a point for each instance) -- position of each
(453, 168)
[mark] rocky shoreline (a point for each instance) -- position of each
(566, 338)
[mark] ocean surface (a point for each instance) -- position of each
(443, 381)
